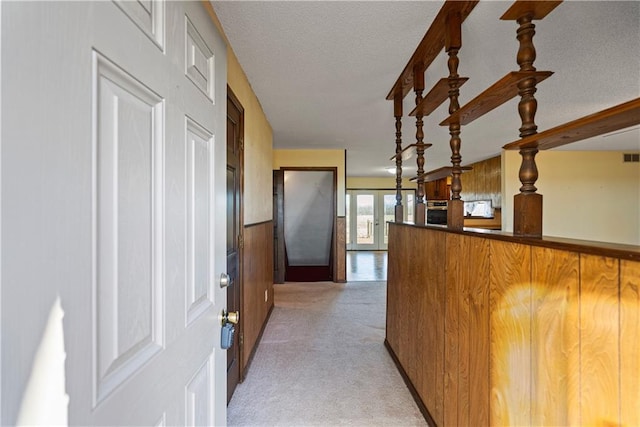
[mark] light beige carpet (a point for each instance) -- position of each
(322, 362)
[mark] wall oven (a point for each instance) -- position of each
(437, 211)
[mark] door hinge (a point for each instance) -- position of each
(240, 241)
(241, 340)
(241, 141)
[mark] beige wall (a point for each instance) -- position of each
(258, 143)
(315, 158)
(258, 139)
(586, 195)
(377, 183)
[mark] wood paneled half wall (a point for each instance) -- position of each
(489, 329)
(257, 287)
(340, 272)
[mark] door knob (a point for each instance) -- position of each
(225, 280)
(229, 317)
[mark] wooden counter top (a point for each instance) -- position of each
(615, 250)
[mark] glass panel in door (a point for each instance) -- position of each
(365, 221)
(368, 214)
(409, 206)
(388, 208)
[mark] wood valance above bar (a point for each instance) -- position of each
(440, 173)
(430, 45)
(493, 97)
(615, 118)
(436, 96)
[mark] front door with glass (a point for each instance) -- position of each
(368, 213)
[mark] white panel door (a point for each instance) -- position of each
(112, 213)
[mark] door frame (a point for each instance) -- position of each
(333, 260)
(353, 229)
(279, 261)
(240, 333)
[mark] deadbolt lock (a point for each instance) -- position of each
(229, 317)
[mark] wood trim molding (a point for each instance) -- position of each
(414, 393)
(437, 95)
(614, 250)
(496, 95)
(617, 117)
(430, 45)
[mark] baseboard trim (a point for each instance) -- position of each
(414, 393)
(255, 347)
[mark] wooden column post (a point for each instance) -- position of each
(527, 206)
(453, 42)
(397, 112)
(418, 87)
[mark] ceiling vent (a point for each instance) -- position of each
(631, 157)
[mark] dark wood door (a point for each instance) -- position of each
(279, 261)
(234, 233)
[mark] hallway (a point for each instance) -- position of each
(322, 362)
(364, 266)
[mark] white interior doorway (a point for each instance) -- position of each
(368, 213)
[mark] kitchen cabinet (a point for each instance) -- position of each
(437, 190)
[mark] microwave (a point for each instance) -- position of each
(437, 205)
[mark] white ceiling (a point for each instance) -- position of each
(322, 70)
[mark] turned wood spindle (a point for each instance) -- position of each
(453, 42)
(397, 112)
(527, 204)
(418, 86)
(454, 128)
(528, 173)
(456, 160)
(528, 105)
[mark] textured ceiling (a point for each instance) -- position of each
(322, 70)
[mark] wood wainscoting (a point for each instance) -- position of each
(340, 262)
(483, 182)
(257, 287)
(490, 329)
